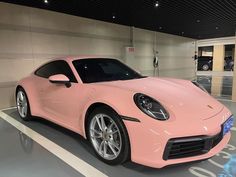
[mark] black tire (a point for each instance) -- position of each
(124, 154)
(28, 114)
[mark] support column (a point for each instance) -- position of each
(234, 79)
(216, 86)
(218, 57)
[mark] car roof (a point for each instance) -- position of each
(72, 58)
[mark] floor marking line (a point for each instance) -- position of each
(5, 109)
(233, 128)
(75, 162)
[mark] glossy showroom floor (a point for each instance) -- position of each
(50, 150)
(219, 86)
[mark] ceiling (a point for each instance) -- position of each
(199, 19)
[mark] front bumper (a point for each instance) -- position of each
(205, 155)
(149, 139)
(191, 146)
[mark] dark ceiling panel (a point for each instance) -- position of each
(199, 19)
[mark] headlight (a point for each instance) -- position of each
(150, 107)
(199, 86)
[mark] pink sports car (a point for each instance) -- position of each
(126, 116)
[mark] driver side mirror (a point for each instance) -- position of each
(60, 79)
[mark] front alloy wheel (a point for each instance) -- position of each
(108, 136)
(105, 136)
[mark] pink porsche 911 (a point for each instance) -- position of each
(126, 116)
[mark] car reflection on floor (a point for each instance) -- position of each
(217, 86)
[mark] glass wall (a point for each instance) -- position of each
(205, 58)
(229, 57)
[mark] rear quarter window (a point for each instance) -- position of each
(56, 67)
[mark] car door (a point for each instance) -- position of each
(58, 102)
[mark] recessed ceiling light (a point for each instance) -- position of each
(198, 21)
(113, 16)
(46, 1)
(160, 27)
(156, 4)
(217, 27)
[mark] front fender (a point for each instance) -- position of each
(123, 104)
(31, 93)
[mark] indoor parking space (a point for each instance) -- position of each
(114, 88)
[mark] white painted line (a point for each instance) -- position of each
(5, 109)
(75, 162)
(233, 128)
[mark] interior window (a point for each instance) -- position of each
(56, 67)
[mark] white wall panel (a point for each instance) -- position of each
(112, 30)
(30, 37)
(12, 70)
(50, 44)
(15, 42)
(48, 20)
(15, 15)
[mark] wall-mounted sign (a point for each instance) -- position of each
(130, 49)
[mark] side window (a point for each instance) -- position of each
(56, 67)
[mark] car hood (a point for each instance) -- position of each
(179, 97)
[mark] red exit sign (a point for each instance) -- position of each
(131, 49)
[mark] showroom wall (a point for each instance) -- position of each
(31, 36)
(174, 52)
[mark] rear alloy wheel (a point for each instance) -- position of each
(22, 104)
(205, 67)
(108, 136)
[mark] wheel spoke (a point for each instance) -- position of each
(18, 103)
(113, 132)
(98, 122)
(103, 123)
(95, 131)
(101, 146)
(18, 100)
(110, 126)
(21, 96)
(20, 109)
(99, 134)
(112, 149)
(114, 144)
(24, 110)
(96, 136)
(105, 149)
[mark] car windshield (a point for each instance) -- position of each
(101, 70)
